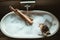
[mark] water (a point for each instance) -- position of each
(14, 25)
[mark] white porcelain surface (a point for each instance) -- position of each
(15, 27)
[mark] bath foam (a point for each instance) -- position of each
(19, 27)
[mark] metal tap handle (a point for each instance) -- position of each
(27, 1)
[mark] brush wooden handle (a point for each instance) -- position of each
(19, 13)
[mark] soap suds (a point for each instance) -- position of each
(18, 27)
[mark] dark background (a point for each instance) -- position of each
(52, 6)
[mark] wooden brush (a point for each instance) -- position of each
(20, 14)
